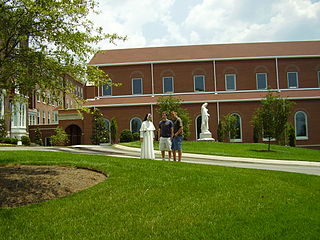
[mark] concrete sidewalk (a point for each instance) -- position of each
(229, 159)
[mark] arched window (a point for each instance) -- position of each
(238, 125)
(198, 126)
(135, 124)
(301, 125)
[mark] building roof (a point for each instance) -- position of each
(200, 98)
(206, 52)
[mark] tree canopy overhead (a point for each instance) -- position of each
(42, 40)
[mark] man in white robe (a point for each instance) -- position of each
(146, 137)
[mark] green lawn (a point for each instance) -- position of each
(145, 199)
(251, 150)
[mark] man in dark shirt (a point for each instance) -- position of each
(177, 136)
(165, 132)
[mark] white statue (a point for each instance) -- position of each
(205, 134)
(205, 118)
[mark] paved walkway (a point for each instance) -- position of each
(305, 167)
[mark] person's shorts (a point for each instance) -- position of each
(165, 144)
(177, 143)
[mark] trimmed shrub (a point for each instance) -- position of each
(291, 136)
(136, 136)
(126, 136)
(25, 140)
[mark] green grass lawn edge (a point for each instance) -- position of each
(247, 150)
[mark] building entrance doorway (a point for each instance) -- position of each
(198, 126)
(75, 134)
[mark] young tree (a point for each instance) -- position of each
(229, 127)
(114, 130)
(100, 133)
(3, 130)
(169, 104)
(61, 138)
(271, 118)
(41, 41)
(38, 137)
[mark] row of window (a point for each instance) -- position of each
(43, 117)
(300, 120)
(199, 83)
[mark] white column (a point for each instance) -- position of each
(277, 74)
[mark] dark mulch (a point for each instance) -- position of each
(22, 185)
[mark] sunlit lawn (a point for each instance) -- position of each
(251, 150)
(145, 199)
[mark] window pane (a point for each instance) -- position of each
(293, 80)
(230, 82)
(135, 125)
(137, 86)
(261, 80)
(301, 125)
(199, 83)
(106, 90)
(107, 123)
(167, 84)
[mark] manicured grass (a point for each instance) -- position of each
(250, 150)
(145, 199)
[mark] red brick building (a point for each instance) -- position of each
(232, 78)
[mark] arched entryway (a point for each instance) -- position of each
(75, 134)
(198, 126)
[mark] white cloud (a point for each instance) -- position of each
(181, 22)
(250, 20)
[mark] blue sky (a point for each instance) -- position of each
(185, 22)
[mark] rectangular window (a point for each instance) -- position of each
(55, 116)
(198, 83)
(230, 82)
(106, 90)
(48, 117)
(136, 85)
(168, 84)
(38, 117)
(319, 79)
(261, 80)
(292, 79)
(43, 117)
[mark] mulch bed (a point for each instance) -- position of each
(23, 185)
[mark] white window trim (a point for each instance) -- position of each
(295, 126)
(266, 81)
(237, 139)
(131, 122)
(297, 80)
(172, 85)
(194, 83)
(235, 81)
(141, 86)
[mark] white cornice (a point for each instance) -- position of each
(203, 60)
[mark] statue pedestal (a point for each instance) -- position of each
(206, 136)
